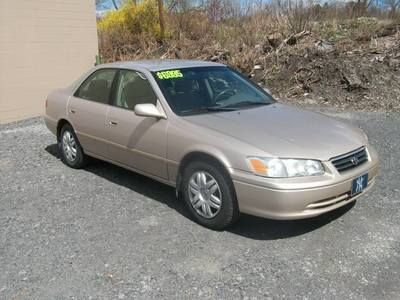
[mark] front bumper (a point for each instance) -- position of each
(298, 198)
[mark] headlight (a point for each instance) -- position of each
(277, 167)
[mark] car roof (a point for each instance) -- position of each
(162, 64)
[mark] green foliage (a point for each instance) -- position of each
(364, 22)
(363, 28)
(331, 32)
(135, 19)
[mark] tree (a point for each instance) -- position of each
(360, 7)
(297, 13)
(393, 5)
(161, 19)
(218, 10)
(104, 3)
(181, 10)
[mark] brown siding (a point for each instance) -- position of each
(44, 44)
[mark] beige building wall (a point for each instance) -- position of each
(44, 44)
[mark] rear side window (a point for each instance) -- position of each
(97, 87)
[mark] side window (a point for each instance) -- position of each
(133, 88)
(98, 86)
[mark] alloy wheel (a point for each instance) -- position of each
(69, 146)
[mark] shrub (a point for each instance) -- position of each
(135, 19)
(130, 29)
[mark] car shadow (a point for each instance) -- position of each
(267, 229)
(138, 183)
(248, 226)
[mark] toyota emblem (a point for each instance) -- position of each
(354, 160)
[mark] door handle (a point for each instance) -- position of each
(72, 111)
(113, 123)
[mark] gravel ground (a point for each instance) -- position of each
(107, 233)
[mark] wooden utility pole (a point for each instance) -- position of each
(161, 19)
(115, 4)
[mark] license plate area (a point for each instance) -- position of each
(359, 184)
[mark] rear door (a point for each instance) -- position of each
(138, 142)
(87, 110)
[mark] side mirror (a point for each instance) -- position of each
(148, 110)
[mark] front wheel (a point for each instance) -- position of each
(71, 151)
(209, 195)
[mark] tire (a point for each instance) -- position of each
(201, 199)
(71, 151)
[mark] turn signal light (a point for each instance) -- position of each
(258, 166)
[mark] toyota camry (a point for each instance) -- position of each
(222, 141)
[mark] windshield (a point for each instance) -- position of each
(209, 89)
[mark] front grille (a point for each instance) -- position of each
(350, 160)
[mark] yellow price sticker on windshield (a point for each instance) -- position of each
(169, 74)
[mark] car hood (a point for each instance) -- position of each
(284, 131)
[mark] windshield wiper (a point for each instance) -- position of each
(219, 108)
(208, 109)
(246, 103)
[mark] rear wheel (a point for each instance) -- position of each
(209, 195)
(71, 151)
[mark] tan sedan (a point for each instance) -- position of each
(223, 142)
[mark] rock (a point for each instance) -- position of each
(258, 48)
(214, 58)
(220, 55)
(352, 81)
(257, 74)
(324, 46)
(178, 53)
(394, 63)
(292, 40)
(378, 58)
(274, 41)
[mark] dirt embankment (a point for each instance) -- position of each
(353, 72)
(306, 70)
(315, 72)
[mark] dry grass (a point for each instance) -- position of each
(241, 41)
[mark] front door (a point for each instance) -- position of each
(138, 142)
(88, 108)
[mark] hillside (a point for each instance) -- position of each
(351, 63)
